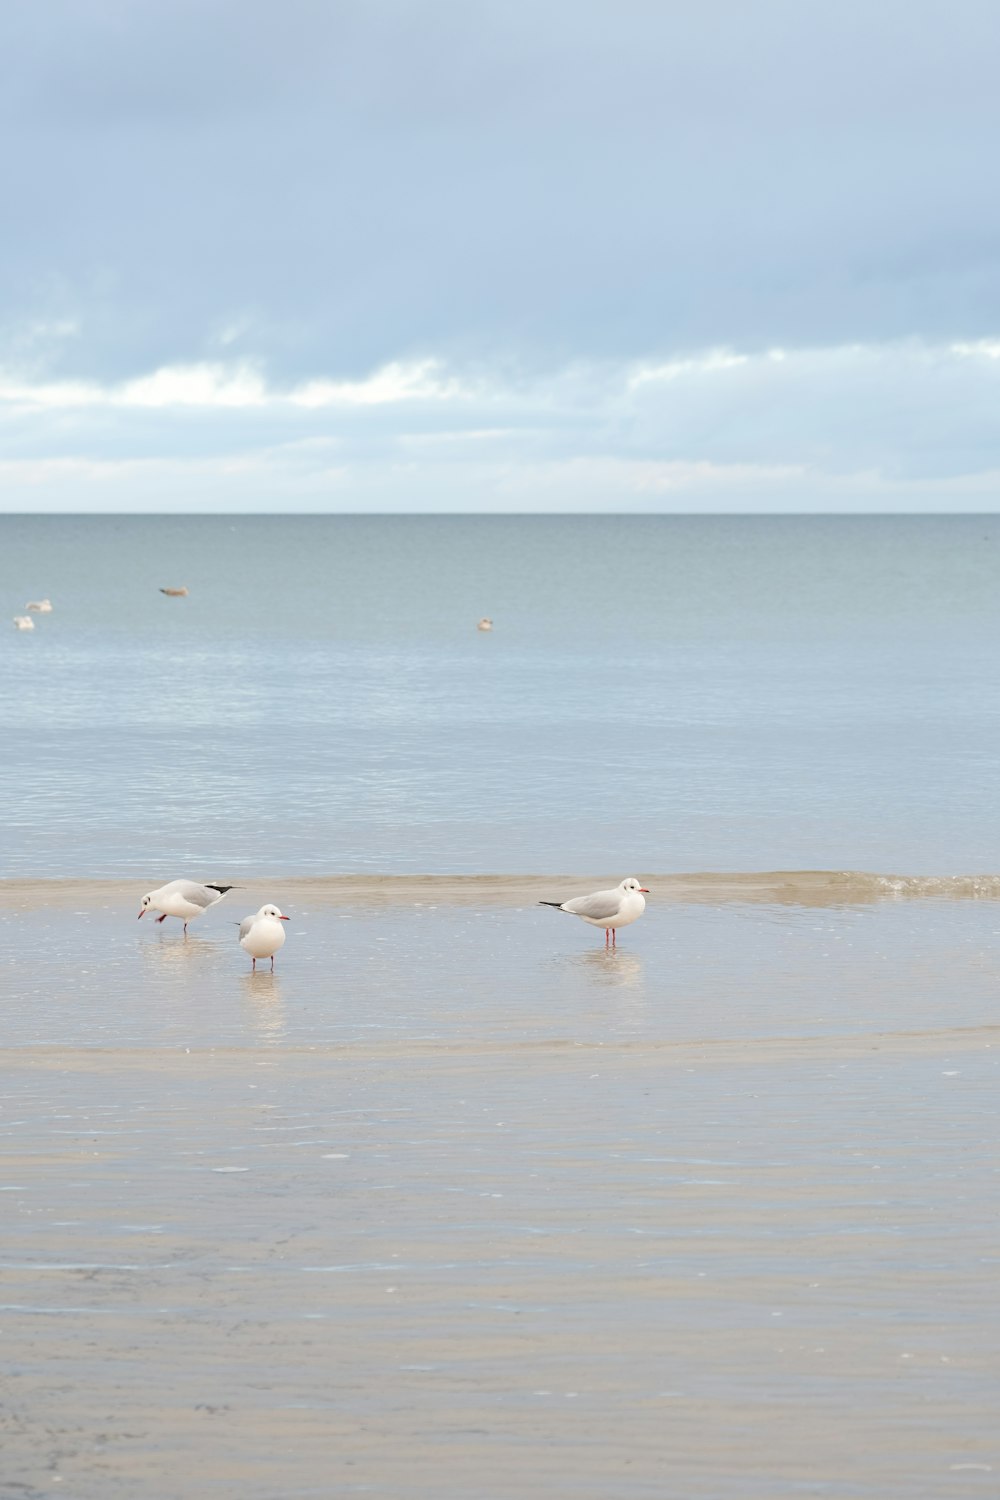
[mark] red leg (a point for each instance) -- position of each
(614, 937)
(607, 934)
(163, 918)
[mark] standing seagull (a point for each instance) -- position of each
(608, 909)
(183, 898)
(262, 935)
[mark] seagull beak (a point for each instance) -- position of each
(284, 919)
(644, 890)
(142, 913)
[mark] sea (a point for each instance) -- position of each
(710, 693)
(457, 1203)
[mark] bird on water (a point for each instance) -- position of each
(262, 934)
(183, 898)
(608, 909)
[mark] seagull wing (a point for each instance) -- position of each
(598, 907)
(246, 925)
(198, 895)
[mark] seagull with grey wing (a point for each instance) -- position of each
(262, 934)
(183, 898)
(608, 909)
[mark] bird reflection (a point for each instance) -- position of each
(265, 1005)
(176, 952)
(613, 967)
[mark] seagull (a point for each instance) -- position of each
(485, 623)
(180, 593)
(183, 898)
(23, 622)
(608, 909)
(262, 935)
(39, 607)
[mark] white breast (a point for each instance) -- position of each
(175, 905)
(264, 939)
(632, 909)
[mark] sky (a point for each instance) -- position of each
(464, 255)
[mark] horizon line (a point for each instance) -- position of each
(646, 515)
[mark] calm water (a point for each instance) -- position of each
(421, 970)
(657, 694)
(454, 1193)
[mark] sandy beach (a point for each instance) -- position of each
(454, 1203)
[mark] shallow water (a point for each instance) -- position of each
(456, 1204)
(481, 962)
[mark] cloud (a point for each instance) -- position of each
(600, 252)
(393, 383)
(839, 427)
(678, 369)
(209, 386)
(355, 185)
(978, 349)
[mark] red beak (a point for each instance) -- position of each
(284, 919)
(644, 890)
(142, 913)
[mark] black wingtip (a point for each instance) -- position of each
(556, 904)
(222, 889)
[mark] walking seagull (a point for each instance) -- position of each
(183, 898)
(262, 935)
(608, 909)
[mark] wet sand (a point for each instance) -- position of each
(455, 1204)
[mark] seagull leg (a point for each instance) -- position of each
(272, 963)
(614, 937)
(163, 918)
(254, 969)
(607, 934)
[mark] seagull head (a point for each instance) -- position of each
(144, 908)
(631, 884)
(273, 912)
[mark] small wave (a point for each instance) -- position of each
(935, 887)
(829, 887)
(373, 892)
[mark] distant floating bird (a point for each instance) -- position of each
(608, 909)
(262, 935)
(40, 607)
(183, 898)
(175, 593)
(23, 622)
(485, 623)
